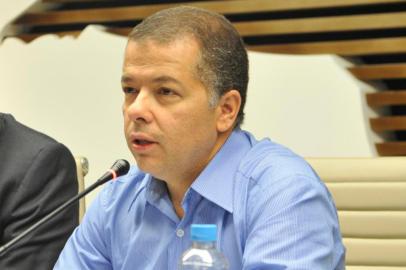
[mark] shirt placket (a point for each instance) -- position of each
(181, 239)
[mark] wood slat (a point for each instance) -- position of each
(140, 12)
(324, 24)
(391, 148)
(386, 98)
(376, 252)
(373, 224)
(380, 71)
(388, 123)
(343, 48)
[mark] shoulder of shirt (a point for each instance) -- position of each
(275, 161)
(124, 187)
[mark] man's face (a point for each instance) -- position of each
(169, 126)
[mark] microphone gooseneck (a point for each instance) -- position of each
(119, 168)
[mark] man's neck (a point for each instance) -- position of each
(176, 195)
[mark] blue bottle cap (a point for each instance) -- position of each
(203, 232)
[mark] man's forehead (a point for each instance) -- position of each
(163, 42)
(148, 51)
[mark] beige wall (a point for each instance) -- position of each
(310, 103)
(70, 89)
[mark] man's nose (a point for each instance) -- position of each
(140, 109)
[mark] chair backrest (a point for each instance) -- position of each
(370, 195)
(82, 168)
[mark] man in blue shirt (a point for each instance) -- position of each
(185, 76)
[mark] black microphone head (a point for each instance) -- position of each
(121, 167)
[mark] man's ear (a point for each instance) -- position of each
(227, 108)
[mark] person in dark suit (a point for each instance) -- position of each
(37, 174)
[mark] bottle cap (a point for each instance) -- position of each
(203, 232)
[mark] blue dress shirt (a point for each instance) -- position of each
(271, 210)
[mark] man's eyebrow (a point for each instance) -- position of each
(164, 79)
(126, 79)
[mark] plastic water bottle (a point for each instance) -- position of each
(203, 254)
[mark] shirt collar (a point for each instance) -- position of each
(156, 189)
(216, 181)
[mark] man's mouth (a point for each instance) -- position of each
(142, 142)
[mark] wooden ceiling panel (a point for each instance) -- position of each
(339, 47)
(324, 24)
(388, 123)
(378, 72)
(391, 148)
(386, 98)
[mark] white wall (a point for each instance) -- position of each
(310, 103)
(70, 89)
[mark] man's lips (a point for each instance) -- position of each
(141, 140)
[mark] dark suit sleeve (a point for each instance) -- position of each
(48, 182)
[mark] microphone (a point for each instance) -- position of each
(119, 168)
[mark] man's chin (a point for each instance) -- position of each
(147, 166)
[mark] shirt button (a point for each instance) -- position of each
(180, 233)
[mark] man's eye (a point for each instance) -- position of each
(128, 90)
(166, 91)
